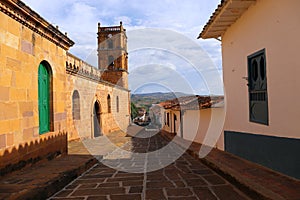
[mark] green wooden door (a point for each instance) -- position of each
(43, 84)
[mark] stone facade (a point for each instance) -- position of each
(29, 44)
(92, 88)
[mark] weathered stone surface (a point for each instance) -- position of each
(155, 194)
(174, 183)
(97, 198)
(179, 192)
(126, 197)
(214, 179)
(99, 191)
(227, 192)
(204, 193)
(158, 184)
(8, 111)
(26, 47)
(4, 93)
(136, 189)
(132, 183)
(2, 141)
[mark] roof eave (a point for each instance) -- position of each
(227, 13)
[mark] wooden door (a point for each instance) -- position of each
(43, 97)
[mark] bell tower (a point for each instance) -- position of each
(112, 54)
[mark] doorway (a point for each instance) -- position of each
(174, 124)
(45, 98)
(97, 119)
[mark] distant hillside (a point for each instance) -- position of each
(146, 100)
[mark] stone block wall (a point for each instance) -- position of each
(22, 50)
(26, 40)
(86, 80)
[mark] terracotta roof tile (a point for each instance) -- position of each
(191, 102)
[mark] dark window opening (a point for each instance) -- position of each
(117, 103)
(174, 124)
(168, 118)
(108, 104)
(111, 62)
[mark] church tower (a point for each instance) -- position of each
(112, 54)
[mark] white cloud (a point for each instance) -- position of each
(80, 17)
(125, 19)
(160, 75)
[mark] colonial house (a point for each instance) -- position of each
(194, 118)
(49, 96)
(260, 49)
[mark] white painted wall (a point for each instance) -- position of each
(273, 25)
(205, 126)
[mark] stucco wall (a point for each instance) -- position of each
(170, 127)
(272, 25)
(167, 126)
(208, 130)
(204, 126)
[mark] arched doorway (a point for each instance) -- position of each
(97, 119)
(45, 97)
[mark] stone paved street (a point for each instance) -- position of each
(149, 170)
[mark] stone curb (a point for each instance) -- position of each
(56, 184)
(46, 187)
(230, 176)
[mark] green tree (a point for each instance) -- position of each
(134, 110)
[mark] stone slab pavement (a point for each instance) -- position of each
(148, 168)
(145, 167)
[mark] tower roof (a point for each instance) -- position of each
(117, 29)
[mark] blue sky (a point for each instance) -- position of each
(182, 19)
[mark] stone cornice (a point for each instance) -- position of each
(20, 12)
(75, 71)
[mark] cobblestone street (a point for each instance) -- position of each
(149, 170)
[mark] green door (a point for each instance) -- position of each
(43, 84)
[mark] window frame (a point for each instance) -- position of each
(258, 96)
(76, 105)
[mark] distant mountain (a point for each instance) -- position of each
(147, 99)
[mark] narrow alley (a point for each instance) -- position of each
(185, 178)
